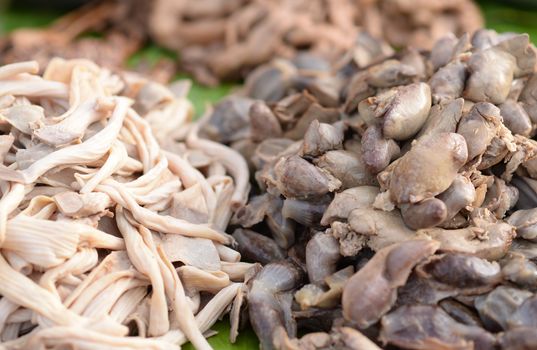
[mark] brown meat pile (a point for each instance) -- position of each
(223, 39)
(111, 230)
(394, 200)
(106, 32)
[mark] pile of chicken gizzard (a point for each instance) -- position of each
(393, 196)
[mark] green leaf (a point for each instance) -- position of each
(21, 18)
(245, 341)
(505, 18)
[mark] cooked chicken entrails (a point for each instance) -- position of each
(110, 236)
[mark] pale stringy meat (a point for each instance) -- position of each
(91, 225)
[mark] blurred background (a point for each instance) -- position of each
(501, 15)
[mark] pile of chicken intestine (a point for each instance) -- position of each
(108, 224)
